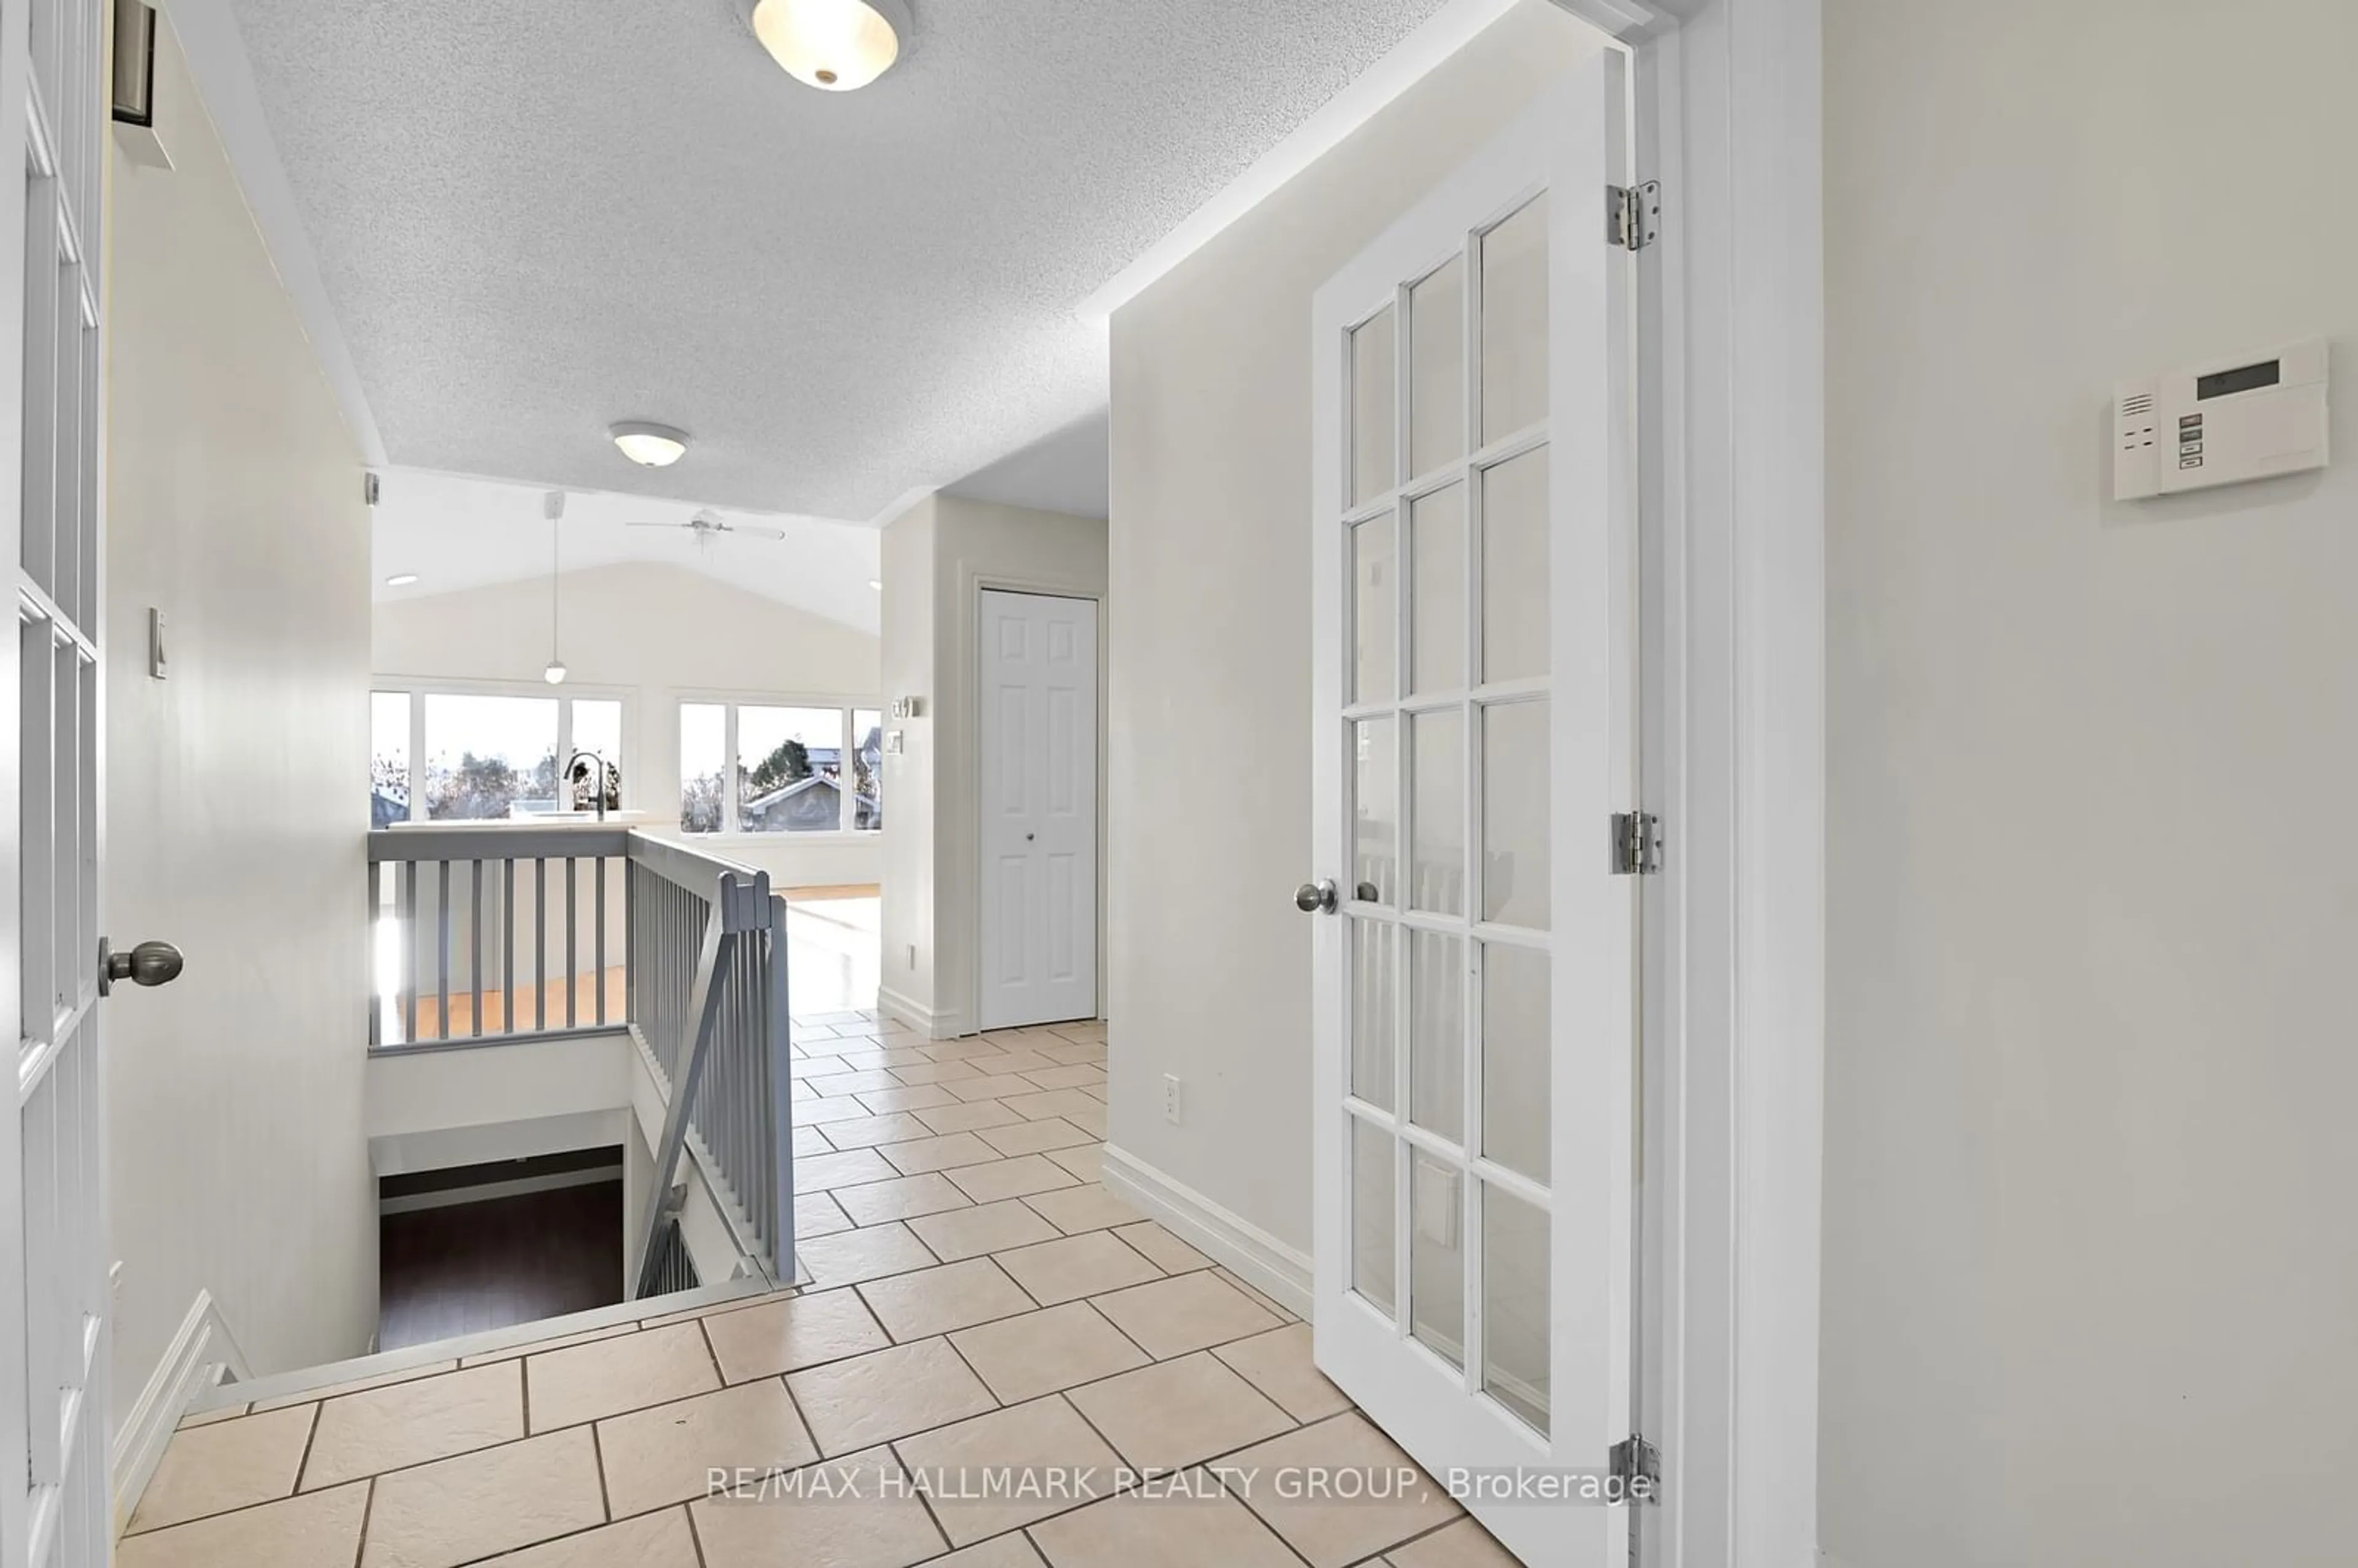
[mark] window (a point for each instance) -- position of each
(755, 767)
(487, 754)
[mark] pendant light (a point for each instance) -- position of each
(553, 507)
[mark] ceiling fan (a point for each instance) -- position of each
(709, 525)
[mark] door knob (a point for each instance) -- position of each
(1311, 898)
(148, 964)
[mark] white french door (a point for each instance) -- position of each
(55, 1506)
(1037, 689)
(1473, 689)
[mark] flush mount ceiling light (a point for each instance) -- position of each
(401, 579)
(650, 445)
(833, 45)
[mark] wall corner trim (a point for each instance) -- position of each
(1277, 1270)
(944, 1025)
(203, 1354)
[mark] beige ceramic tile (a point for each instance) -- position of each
(1178, 1414)
(1074, 1053)
(1329, 1531)
(355, 1385)
(935, 1301)
(1162, 1248)
(817, 1213)
(902, 1197)
(229, 1465)
(969, 1117)
(650, 1540)
(1086, 1162)
(869, 1253)
(899, 1127)
(960, 1050)
(1185, 1312)
(1054, 1102)
(1279, 1364)
(1010, 1178)
(408, 1423)
(206, 1418)
(533, 1347)
(455, 1510)
(691, 1315)
(850, 1168)
(1041, 1352)
(1258, 1297)
(988, 1227)
(1075, 1265)
(922, 1096)
(939, 1153)
(891, 1394)
(810, 1141)
(847, 1517)
(1138, 1531)
(818, 1110)
(1021, 1137)
(1012, 1551)
(303, 1532)
(852, 1082)
(566, 1388)
(1092, 1122)
(1044, 1437)
(667, 1455)
(1086, 1207)
(788, 1336)
(992, 1086)
(1461, 1545)
(1078, 1075)
(935, 1073)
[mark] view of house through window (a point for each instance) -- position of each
(472, 756)
(763, 768)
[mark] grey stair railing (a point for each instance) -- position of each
(488, 935)
(708, 1003)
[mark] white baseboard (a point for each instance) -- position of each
(201, 1355)
(948, 1025)
(1260, 1260)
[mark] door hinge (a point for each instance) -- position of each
(1635, 1467)
(1634, 213)
(369, 488)
(1637, 843)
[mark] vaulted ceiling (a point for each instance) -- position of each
(533, 218)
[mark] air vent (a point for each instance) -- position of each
(2141, 404)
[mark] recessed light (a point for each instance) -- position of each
(871, 582)
(650, 445)
(401, 579)
(834, 45)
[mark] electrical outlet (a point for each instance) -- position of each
(1171, 1099)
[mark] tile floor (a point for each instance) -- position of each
(995, 1364)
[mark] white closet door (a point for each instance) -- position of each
(1038, 708)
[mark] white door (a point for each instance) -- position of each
(1474, 1006)
(1038, 707)
(55, 1506)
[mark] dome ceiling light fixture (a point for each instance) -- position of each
(836, 45)
(649, 446)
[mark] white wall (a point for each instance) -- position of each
(938, 556)
(2089, 1267)
(236, 1153)
(658, 633)
(1209, 961)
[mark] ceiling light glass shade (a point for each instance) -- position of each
(650, 445)
(833, 45)
(554, 674)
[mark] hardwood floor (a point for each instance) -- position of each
(466, 1268)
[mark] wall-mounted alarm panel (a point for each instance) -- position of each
(2220, 423)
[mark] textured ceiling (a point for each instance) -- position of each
(534, 219)
(461, 533)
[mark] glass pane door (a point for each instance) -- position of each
(1446, 568)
